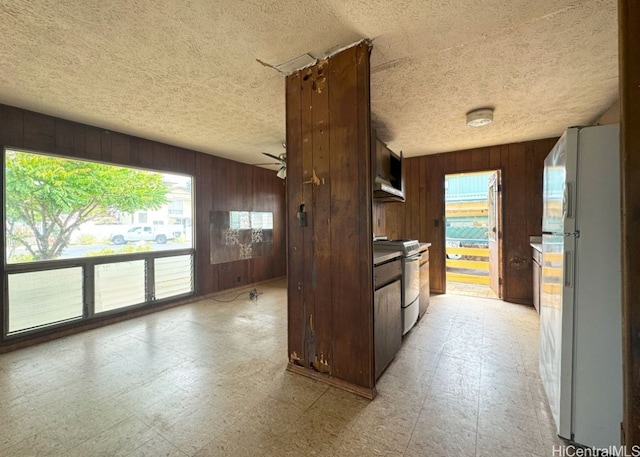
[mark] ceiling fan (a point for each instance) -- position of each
(280, 160)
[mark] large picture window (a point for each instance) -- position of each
(85, 238)
(59, 208)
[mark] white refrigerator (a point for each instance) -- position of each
(580, 312)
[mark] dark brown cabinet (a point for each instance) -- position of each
(387, 313)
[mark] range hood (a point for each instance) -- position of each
(385, 191)
(387, 172)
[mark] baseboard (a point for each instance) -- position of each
(335, 382)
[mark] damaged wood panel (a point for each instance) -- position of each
(320, 220)
(295, 255)
(344, 174)
(335, 382)
(308, 292)
(352, 325)
(330, 260)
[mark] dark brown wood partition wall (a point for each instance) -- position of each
(422, 215)
(224, 185)
(330, 259)
(628, 14)
(220, 184)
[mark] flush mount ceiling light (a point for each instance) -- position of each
(480, 117)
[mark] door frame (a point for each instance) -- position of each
(496, 275)
(442, 265)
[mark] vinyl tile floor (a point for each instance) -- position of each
(209, 379)
(474, 290)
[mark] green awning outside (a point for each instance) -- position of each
(467, 233)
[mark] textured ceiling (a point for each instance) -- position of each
(187, 73)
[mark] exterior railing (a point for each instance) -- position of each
(468, 265)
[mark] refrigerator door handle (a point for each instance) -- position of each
(568, 201)
(568, 269)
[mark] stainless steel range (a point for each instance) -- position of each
(410, 277)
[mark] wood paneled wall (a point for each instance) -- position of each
(422, 215)
(379, 218)
(628, 14)
(220, 184)
(330, 259)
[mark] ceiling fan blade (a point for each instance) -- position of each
(266, 163)
(279, 159)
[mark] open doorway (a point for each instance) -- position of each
(473, 213)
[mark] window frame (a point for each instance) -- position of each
(88, 264)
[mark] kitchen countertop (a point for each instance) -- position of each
(384, 256)
(381, 256)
